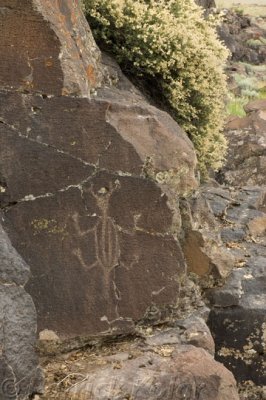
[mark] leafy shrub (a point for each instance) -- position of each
(245, 82)
(239, 11)
(256, 43)
(253, 85)
(252, 69)
(171, 45)
(262, 93)
(248, 85)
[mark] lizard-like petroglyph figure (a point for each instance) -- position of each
(105, 234)
(106, 240)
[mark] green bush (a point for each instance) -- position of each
(169, 44)
(235, 105)
(245, 82)
(256, 43)
(253, 85)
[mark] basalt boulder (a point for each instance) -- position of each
(178, 375)
(47, 47)
(166, 364)
(89, 185)
(20, 375)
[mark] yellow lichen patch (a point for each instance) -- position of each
(28, 83)
(49, 63)
(165, 351)
(45, 225)
(171, 177)
(246, 355)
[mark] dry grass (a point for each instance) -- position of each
(242, 3)
(256, 8)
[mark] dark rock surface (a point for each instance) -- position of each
(205, 253)
(88, 186)
(207, 4)
(232, 219)
(238, 308)
(20, 375)
(243, 318)
(78, 189)
(244, 38)
(246, 160)
(47, 47)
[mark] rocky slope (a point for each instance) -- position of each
(238, 316)
(98, 195)
(244, 36)
(230, 218)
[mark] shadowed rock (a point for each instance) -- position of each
(20, 375)
(238, 316)
(205, 253)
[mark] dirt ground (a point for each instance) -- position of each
(64, 371)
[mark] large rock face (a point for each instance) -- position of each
(20, 375)
(88, 186)
(47, 47)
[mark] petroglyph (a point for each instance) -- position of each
(106, 242)
(105, 233)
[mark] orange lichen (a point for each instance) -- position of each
(49, 63)
(91, 74)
